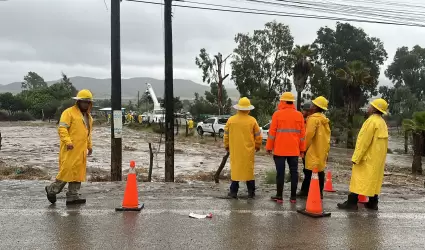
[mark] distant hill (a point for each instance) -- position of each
(101, 88)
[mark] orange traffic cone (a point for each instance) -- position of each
(131, 196)
(314, 202)
(328, 184)
(363, 199)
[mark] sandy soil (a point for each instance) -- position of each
(35, 146)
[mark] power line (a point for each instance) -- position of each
(364, 15)
(346, 9)
(269, 13)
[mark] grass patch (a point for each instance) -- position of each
(270, 177)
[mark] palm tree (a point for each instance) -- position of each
(416, 127)
(302, 57)
(355, 75)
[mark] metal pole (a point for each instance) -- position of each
(168, 93)
(116, 121)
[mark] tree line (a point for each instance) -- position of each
(342, 63)
(37, 100)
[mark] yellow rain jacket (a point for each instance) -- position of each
(190, 124)
(318, 138)
(243, 137)
(369, 157)
(73, 130)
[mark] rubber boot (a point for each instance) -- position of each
(372, 204)
(251, 189)
(76, 201)
(50, 196)
(279, 191)
(350, 203)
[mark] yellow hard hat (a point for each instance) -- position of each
(321, 102)
(84, 95)
(287, 97)
(243, 104)
(380, 104)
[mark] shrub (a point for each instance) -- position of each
(21, 116)
(270, 177)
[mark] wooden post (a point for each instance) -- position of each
(220, 168)
(150, 162)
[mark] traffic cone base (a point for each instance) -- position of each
(323, 214)
(328, 184)
(314, 207)
(138, 208)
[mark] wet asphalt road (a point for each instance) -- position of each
(29, 222)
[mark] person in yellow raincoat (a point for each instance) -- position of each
(318, 138)
(369, 158)
(242, 138)
(190, 125)
(75, 132)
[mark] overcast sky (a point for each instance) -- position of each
(73, 36)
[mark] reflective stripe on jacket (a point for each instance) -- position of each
(287, 131)
(242, 136)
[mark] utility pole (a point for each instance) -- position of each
(138, 99)
(168, 93)
(116, 121)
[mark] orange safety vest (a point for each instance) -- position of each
(287, 131)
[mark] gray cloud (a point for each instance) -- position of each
(50, 36)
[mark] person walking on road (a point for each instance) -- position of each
(318, 138)
(242, 138)
(286, 141)
(369, 158)
(75, 132)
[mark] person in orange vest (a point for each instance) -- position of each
(318, 138)
(242, 138)
(286, 141)
(369, 158)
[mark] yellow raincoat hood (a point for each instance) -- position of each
(318, 138)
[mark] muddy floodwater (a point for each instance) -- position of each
(37, 145)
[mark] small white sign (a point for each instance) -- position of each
(117, 124)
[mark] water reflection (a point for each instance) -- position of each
(363, 231)
(241, 227)
(69, 230)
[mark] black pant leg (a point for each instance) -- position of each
(321, 181)
(280, 173)
(293, 168)
(306, 182)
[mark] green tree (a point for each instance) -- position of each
(302, 57)
(408, 69)
(416, 126)
(261, 65)
(319, 84)
(63, 89)
(50, 109)
(178, 104)
(33, 81)
(213, 71)
(201, 106)
(212, 97)
(336, 48)
(357, 78)
(6, 101)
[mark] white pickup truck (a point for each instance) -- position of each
(211, 125)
